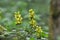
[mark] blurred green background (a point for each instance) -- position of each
(8, 7)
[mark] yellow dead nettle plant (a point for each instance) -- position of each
(18, 18)
(34, 23)
(31, 17)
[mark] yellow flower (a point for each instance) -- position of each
(18, 22)
(17, 14)
(30, 10)
(34, 26)
(33, 22)
(21, 19)
(38, 34)
(38, 29)
(18, 17)
(31, 13)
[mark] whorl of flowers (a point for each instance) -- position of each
(31, 14)
(18, 17)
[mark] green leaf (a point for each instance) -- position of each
(32, 38)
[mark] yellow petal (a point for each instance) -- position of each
(17, 18)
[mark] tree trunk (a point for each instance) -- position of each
(54, 29)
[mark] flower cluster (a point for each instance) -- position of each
(33, 23)
(31, 13)
(31, 17)
(38, 31)
(18, 17)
